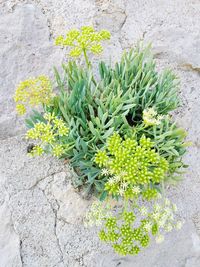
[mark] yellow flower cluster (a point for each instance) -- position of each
(47, 135)
(130, 165)
(150, 117)
(131, 229)
(33, 92)
(87, 39)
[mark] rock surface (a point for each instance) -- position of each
(40, 212)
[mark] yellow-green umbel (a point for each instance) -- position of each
(33, 92)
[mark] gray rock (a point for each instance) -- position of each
(70, 206)
(35, 223)
(20, 171)
(9, 240)
(26, 51)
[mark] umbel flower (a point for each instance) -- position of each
(83, 40)
(33, 92)
(150, 117)
(134, 170)
(47, 135)
(131, 229)
(129, 165)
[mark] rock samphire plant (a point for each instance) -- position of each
(115, 128)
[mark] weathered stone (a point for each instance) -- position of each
(70, 206)
(26, 51)
(20, 171)
(35, 223)
(9, 240)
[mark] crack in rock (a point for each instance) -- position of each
(20, 251)
(55, 223)
(111, 14)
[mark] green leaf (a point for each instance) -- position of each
(92, 129)
(103, 196)
(108, 133)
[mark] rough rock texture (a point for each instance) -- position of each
(40, 212)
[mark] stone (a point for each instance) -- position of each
(9, 240)
(70, 206)
(20, 171)
(35, 223)
(25, 37)
(108, 12)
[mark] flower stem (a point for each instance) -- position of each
(88, 64)
(86, 58)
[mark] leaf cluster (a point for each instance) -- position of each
(94, 108)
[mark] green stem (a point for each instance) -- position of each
(94, 80)
(125, 204)
(86, 58)
(88, 64)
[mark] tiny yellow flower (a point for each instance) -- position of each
(73, 34)
(136, 190)
(83, 40)
(105, 172)
(58, 150)
(60, 126)
(96, 49)
(111, 181)
(87, 29)
(59, 40)
(40, 127)
(75, 52)
(21, 110)
(105, 35)
(150, 117)
(32, 134)
(36, 151)
(47, 135)
(33, 92)
(49, 116)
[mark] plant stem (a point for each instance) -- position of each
(88, 64)
(86, 58)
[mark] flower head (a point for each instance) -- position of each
(150, 117)
(131, 164)
(47, 134)
(36, 151)
(33, 92)
(101, 158)
(105, 172)
(58, 150)
(111, 181)
(85, 39)
(136, 190)
(148, 226)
